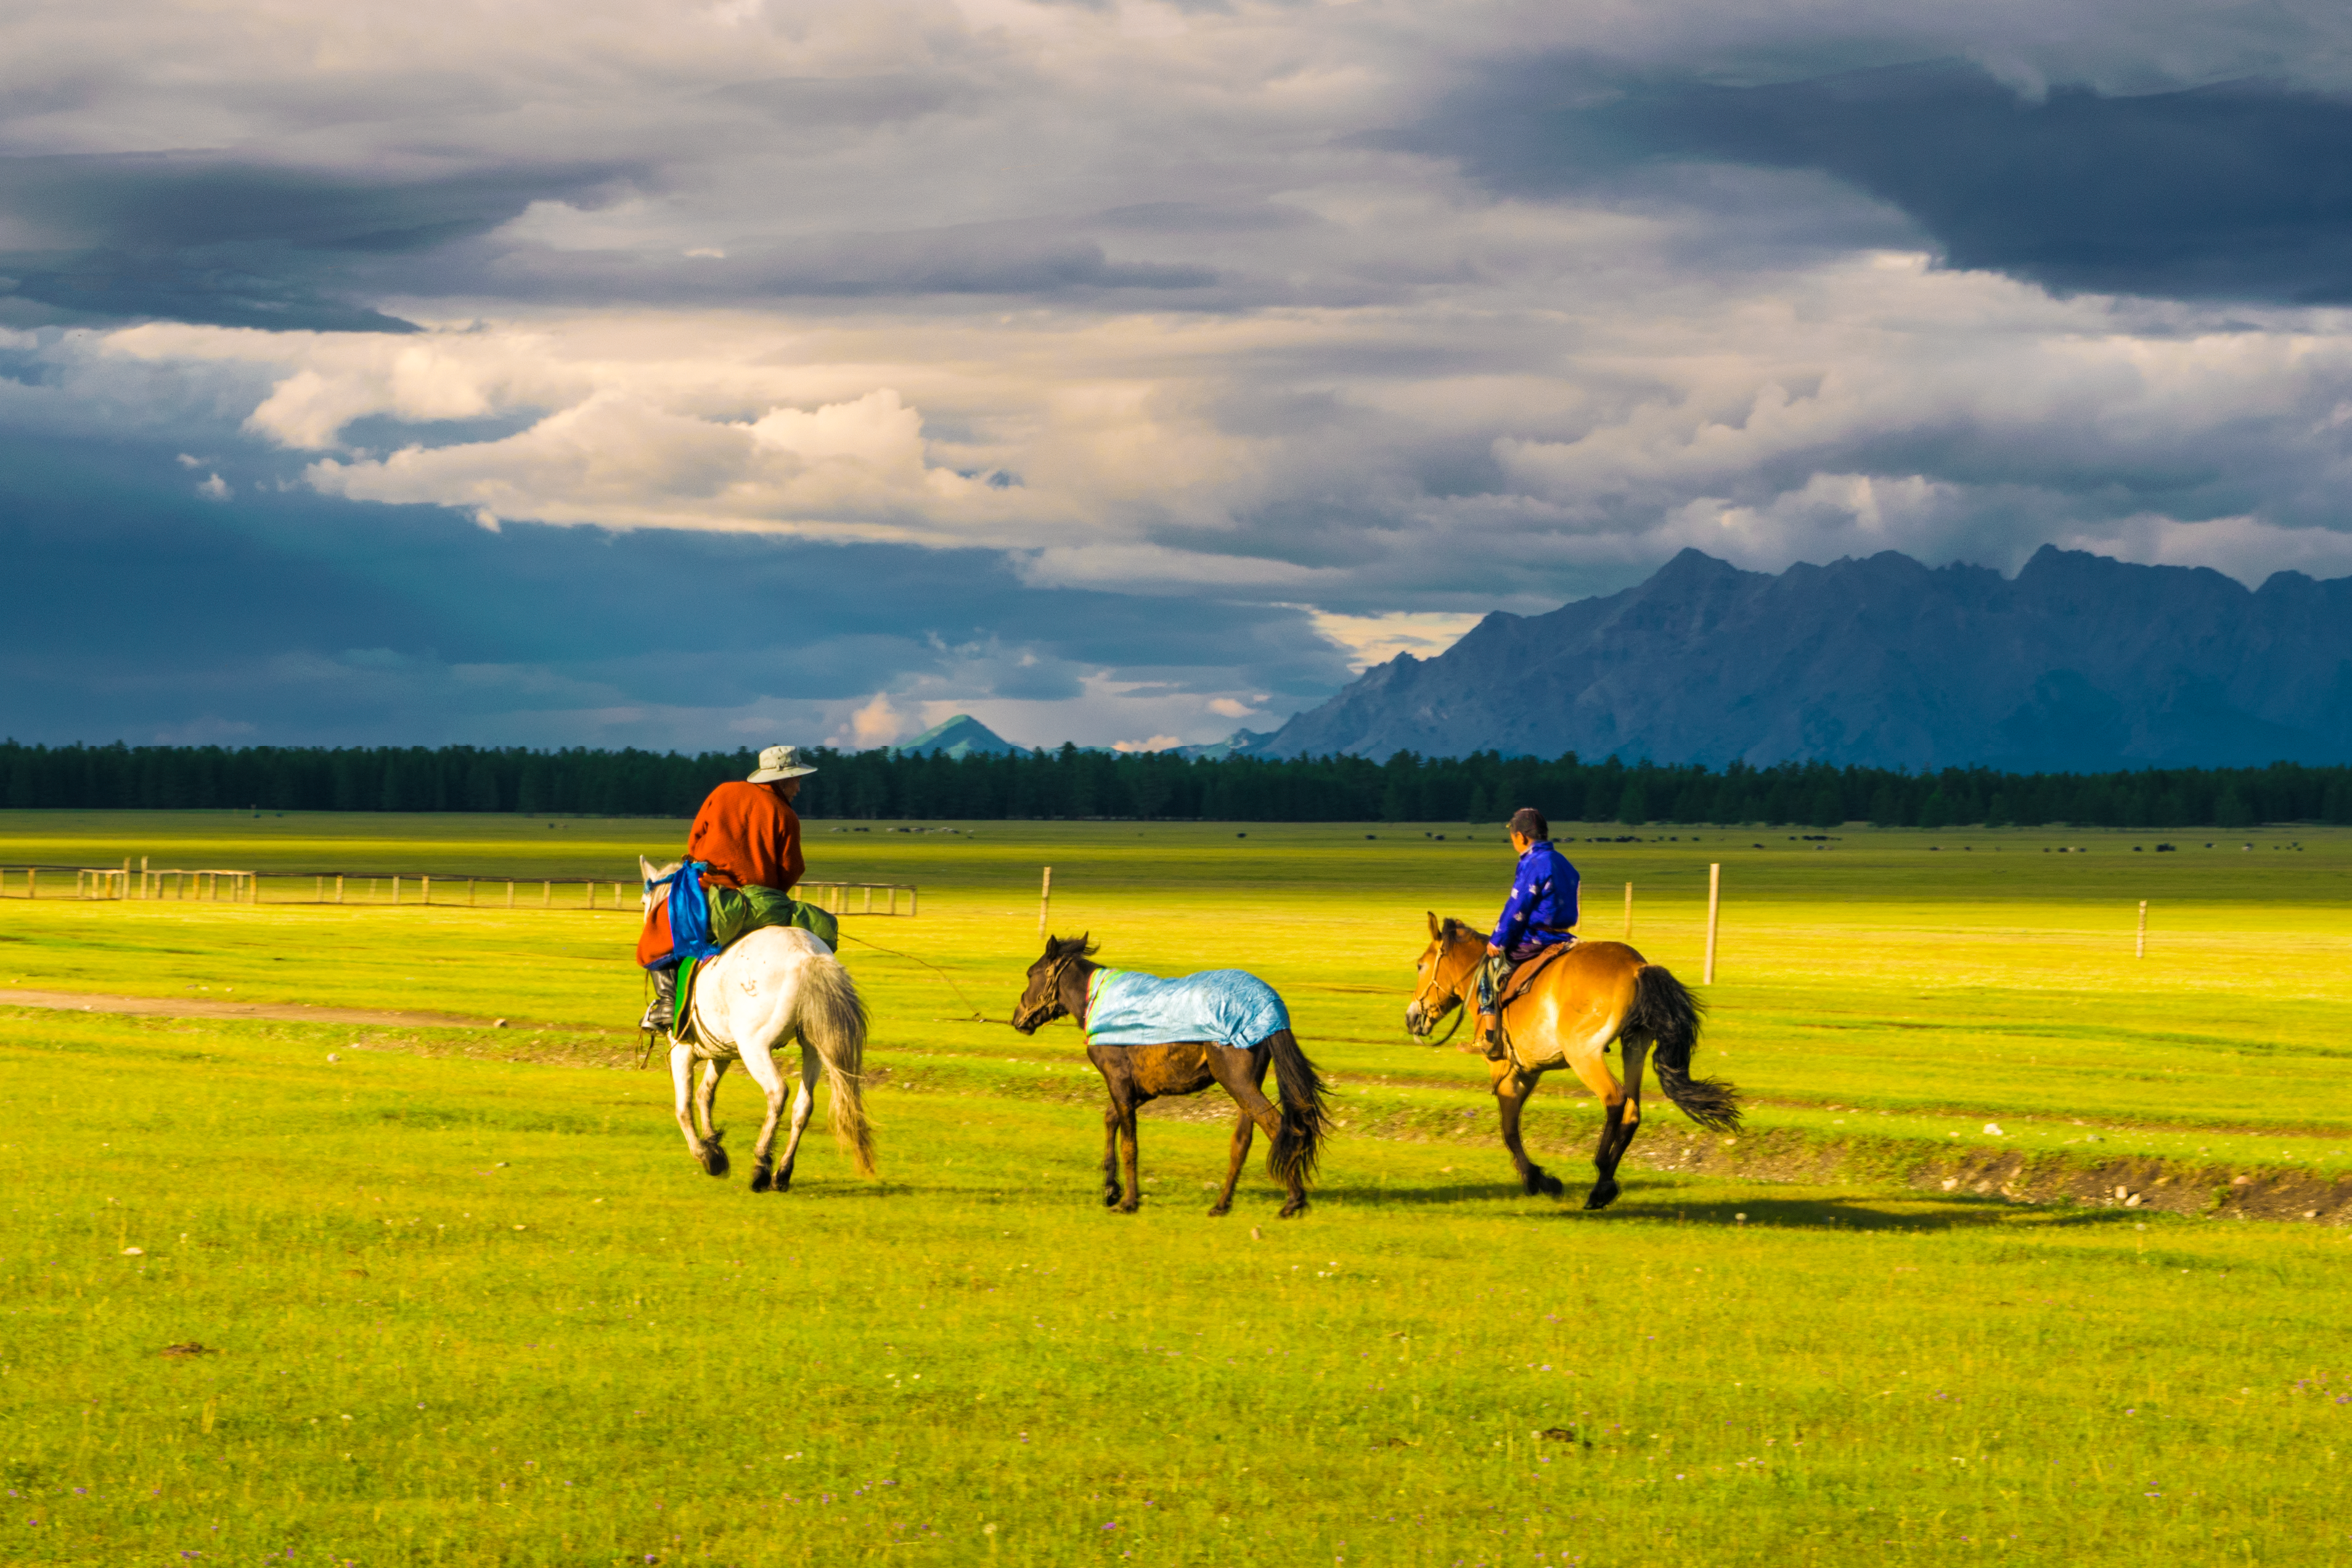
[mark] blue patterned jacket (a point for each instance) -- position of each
(1542, 904)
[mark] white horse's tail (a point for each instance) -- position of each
(833, 1019)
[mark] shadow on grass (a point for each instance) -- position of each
(1855, 1212)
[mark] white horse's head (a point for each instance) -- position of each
(646, 874)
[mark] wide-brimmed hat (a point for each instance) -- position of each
(779, 762)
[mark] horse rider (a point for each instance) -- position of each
(1538, 915)
(749, 837)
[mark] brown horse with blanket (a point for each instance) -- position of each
(1150, 1037)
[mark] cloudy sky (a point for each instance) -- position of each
(616, 373)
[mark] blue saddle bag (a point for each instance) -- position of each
(689, 912)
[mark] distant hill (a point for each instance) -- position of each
(1240, 744)
(960, 737)
(2078, 663)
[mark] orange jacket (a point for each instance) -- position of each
(750, 836)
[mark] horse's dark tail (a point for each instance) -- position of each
(1666, 1017)
(1305, 1118)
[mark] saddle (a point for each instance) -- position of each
(1523, 980)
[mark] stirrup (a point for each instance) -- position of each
(661, 1012)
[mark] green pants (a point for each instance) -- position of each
(735, 913)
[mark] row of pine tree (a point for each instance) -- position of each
(1072, 783)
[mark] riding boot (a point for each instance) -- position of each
(661, 1012)
(1491, 976)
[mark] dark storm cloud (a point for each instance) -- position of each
(289, 616)
(2237, 190)
(230, 242)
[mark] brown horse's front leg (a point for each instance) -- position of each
(1134, 1182)
(1513, 1086)
(1118, 1116)
(1111, 1191)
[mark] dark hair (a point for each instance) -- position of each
(1529, 824)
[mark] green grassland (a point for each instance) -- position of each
(467, 1298)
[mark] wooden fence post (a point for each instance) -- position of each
(32, 882)
(1629, 911)
(2141, 951)
(395, 889)
(339, 887)
(1714, 907)
(547, 895)
(914, 899)
(1045, 901)
(509, 892)
(470, 892)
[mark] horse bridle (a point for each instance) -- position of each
(1031, 1015)
(1460, 1008)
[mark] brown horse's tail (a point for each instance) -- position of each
(1666, 1017)
(1304, 1119)
(833, 1019)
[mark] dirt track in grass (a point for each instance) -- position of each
(197, 1007)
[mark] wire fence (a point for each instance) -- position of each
(147, 883)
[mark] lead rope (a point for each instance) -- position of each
(977, 1016)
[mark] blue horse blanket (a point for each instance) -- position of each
(1128, 1007)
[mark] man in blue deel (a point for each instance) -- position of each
(1538, 915)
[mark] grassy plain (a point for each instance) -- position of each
(468, 1301)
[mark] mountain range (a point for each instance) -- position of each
(2078, 663)
(961, 735)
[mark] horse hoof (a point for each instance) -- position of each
(1601, 1196)
(761, 1179)
(1550, 1186)
(1222, 1209)
(714, 1163)
(1127, 1207)
(1292, 1211)
(1112, 1197)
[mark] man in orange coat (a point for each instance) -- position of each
(750, 837)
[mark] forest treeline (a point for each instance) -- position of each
(1072, 783)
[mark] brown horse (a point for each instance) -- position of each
(1595, 993)
(1059, 988)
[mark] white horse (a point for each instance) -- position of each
(776, 983)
